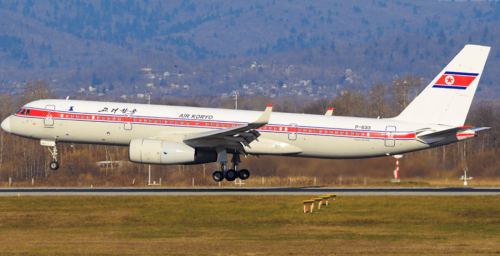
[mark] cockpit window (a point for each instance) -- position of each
(19, 111)
(28, 112)
(22, 111)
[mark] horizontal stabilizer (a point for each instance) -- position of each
(429, 136)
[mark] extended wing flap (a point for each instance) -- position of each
(224, 137)
(430, 136)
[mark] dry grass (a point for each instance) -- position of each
(182, 179)
(249, 225)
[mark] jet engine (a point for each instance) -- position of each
(149, 151)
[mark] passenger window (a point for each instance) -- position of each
(196, 123)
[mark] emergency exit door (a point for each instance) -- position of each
(49, 115)
(292, 132)
(390, 136)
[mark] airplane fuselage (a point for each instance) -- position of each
(301, 135)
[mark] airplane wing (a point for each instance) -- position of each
(429, 136)
(329, 112)
(231, 138)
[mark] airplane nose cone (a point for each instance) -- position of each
(6, 124)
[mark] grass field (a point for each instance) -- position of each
(249, 225)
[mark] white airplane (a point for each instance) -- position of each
(172, 135)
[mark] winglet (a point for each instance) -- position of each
(329, 112)
(264, 118)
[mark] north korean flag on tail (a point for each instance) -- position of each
(455, 80)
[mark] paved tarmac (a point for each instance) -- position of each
(248, 191)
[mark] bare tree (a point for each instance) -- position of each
(379, 102)
(319, 106)
(351, 102)
(403, 89)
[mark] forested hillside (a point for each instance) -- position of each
(272, 47)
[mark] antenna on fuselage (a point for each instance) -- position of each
(67, 97)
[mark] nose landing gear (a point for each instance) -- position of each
(54, 165)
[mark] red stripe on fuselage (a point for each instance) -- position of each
(216, 124)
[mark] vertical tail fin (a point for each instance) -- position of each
(447, 99)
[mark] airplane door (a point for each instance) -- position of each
(127, 125)
(49, 115)
(292, 132)
(390, 136)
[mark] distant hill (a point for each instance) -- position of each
(210, 45)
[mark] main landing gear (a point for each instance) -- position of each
(231, 174)
(54, 165)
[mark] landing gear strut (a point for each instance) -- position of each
(54, 165)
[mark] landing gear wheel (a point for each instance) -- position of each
(231, 175)
(244, 174)
(218, 176)
(54, 165)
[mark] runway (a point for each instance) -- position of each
(307, 191)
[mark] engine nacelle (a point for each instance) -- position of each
(148, 151)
